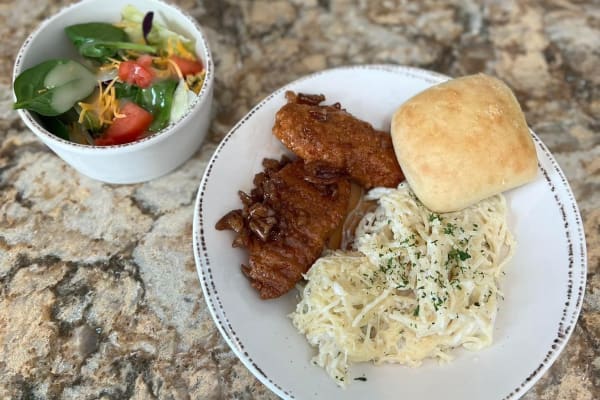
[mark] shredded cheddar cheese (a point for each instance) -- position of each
(113, 64)
(104, 107)
(173, 64)
(176, 47)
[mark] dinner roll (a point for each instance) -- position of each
(462, 141)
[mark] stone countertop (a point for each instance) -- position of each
(99, 296)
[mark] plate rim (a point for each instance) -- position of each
(235, 343)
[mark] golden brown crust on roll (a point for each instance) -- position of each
(462, 141)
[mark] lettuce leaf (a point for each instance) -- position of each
(160, 35)
(182, 100)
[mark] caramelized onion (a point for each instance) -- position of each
(232, 220)
(302, 98)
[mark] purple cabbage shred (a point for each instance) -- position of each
(147, 25)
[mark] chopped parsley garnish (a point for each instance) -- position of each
(407, 240)
(449, 229)
(433, 217)
(487, 296)
(456, 284)
(437, 301)
(464, 241)
(457, 254)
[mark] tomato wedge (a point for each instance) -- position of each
(127, 129)
(137, 73)
(145, 60)
(187, 67)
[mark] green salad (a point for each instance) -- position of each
(135, 77)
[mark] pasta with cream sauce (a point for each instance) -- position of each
(416, 285)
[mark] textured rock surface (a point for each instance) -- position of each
(98, 292)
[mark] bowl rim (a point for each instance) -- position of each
(149, 140)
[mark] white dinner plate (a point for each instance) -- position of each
(543, 286)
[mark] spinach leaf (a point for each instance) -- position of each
(56, 126)
(29, 88)
(53, 87)
(82, 34)
(91, 122)
(101, 40)
(78, 133)
(70, 116)
(156, 99)
(126, 91)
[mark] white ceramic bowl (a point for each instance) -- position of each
(141, 160)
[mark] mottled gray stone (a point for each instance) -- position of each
(105, 273)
